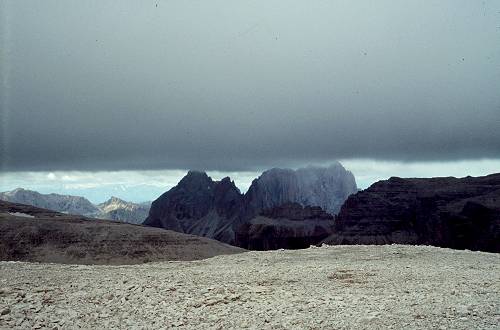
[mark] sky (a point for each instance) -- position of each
(106, 97)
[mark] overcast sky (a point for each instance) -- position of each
(240, 86)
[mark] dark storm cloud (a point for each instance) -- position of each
(232, 85)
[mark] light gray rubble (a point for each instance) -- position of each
(332, 287)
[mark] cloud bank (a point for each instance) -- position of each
(231, 86)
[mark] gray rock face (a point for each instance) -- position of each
(326, 187)
(60, 203)
(200, 206)
(446, 212)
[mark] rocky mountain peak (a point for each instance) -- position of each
(196, 180)
(196, 204)
(114, 200)
(226, 185)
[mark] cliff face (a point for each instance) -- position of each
(297, 212)
(447, 212)
(288, 226)
(326, 187)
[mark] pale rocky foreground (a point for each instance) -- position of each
(341, 287)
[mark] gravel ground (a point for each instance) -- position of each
(332, 287)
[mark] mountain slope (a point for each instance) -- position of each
(448, 212)
(29, 233)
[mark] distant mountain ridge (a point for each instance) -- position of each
(60, 203)
(118, 209)
(112, 209)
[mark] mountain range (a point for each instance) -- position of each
(113, 209)
(286, 208)
(217, 209)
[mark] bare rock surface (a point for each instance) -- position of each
(326, 187)
(332, 287)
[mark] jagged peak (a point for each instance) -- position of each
(196, 174)
(196, 180)
(226, 184)
(226, 180)
(115, 200)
